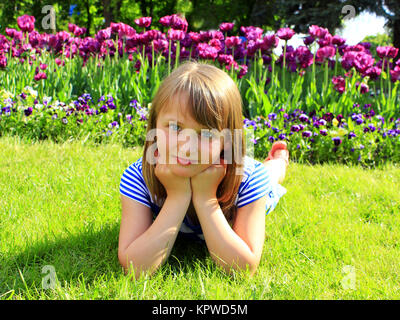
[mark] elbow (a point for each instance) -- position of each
(249, 267)
(132, 268)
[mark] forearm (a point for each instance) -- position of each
(152, 248)
(226, 248)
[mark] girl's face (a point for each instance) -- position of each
(182, 145)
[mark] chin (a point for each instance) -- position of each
(186, 171)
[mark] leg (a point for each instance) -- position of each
(278, 161)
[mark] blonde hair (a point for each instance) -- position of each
(213, 101)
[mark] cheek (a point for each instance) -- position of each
(212, 149)
(166, 141)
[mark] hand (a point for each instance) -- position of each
(205, 184)
(174, 185)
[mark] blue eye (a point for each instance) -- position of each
(174, 126)
(207, 133)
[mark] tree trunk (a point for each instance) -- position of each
(89, 18)
(259, 13)
(396, 36)
(117, 11)
(107, 13)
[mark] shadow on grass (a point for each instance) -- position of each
(84, 258)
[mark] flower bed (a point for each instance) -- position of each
(330, 100)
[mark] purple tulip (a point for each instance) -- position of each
(363, 62)
(243, 71)
(303, 57)
(338, 41)
(373, 73)
(77, 31)
(308, 40)
(348, 60)
(285, 33)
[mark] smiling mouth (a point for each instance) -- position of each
(184, 162)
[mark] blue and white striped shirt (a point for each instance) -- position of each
(255, 184)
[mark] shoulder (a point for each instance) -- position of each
(133, 185)
(252, 169)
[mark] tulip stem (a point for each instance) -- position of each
(284, 67)
(169, 57)
(177, 53)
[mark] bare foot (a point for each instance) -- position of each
(279, 151)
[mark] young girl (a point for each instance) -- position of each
(170, 190)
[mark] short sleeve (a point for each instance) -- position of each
(133, 185)
(255, 186)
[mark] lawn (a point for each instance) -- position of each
(334, 235)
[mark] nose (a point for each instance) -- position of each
(188, 147)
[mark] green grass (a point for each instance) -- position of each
(59, 206)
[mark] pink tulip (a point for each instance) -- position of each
(338, 41)
(143, 22)
(395, 74)
(206, 51)
(26, 23)
(195, 37)
(269, 41)
(3, 61)
(317, 32)
(387, 52)
(285, 33)
(325, 53)
(59, 62)
(226, 26)
(175, 35)
(231, 42)
(339, 84)
(40, 76)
